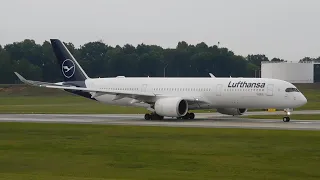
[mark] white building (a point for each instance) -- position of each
(293, 72)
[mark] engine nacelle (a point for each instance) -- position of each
(171, 107)
(232, 111)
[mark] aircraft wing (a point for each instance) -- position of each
(93, 90)
(142, 96)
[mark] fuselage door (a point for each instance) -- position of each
(270, 90)
(219, 89)
(144, 87)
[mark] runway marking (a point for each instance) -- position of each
(305, 122)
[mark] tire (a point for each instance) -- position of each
(147, 116)
(191, 116)
(286, 119)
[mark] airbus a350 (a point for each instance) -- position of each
(174, 97)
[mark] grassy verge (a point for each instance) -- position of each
(65, 105)
(85, 152)
(312, 93)
(293, 117)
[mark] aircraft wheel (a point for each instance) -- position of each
(286, 119)
(186, 116)
(160, 117)
(156, 117)
(147, 116)
(191, 115)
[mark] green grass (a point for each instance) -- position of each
(293, 117)
(64, 104)
(312, 93)
(85, 152)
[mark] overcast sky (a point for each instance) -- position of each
(287, 29)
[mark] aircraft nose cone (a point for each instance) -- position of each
(303, 99)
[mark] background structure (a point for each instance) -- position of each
(294, 72)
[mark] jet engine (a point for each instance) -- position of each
(171, 107)
(232, 111)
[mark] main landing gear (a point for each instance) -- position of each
(154, 116)
(286, 118)
(187, 116)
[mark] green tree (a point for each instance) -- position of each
(277, 60)
(306, 59)
(257, 59)
(93, 58)
(101, 60)
(6, 68)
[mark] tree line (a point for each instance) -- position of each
(38, 62)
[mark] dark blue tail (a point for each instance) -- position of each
(71, 71)
(70, 68)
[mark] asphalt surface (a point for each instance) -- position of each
(205, 120)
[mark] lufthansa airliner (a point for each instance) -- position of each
(174, 97)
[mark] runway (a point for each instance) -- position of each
(205, 120)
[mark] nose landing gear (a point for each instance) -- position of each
(286, 118)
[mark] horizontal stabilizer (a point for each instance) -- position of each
(211, 75)
(35, 83)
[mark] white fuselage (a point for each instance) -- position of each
(218, 92)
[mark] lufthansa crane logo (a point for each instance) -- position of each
(68, 68)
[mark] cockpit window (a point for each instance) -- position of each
(292, 90)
